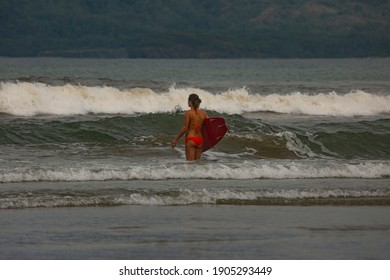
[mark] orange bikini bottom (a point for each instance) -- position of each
(197, 140)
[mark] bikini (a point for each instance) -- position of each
(197, 140)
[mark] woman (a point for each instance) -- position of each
(193, 122)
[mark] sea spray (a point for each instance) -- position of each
(31, 99)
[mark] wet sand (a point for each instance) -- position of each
(197, 232)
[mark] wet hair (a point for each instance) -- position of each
(195, 100)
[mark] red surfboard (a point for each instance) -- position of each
(213, 130)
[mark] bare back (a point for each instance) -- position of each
(195, 122)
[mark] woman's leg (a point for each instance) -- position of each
(198, 153)
(190, 150)
(193, 150)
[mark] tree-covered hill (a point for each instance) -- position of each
(195, 28)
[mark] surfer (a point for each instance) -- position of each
(193, 121)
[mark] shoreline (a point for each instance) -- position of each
(332, 201)
(197, 232)
(196, 192)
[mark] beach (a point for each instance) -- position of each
(198, 231)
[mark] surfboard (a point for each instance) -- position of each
(213, 130)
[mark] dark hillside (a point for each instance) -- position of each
(195, 28)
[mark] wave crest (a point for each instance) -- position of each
(243, 171)
(31, 99)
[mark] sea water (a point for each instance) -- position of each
(86, 132)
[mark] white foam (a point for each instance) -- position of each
(30, 99)
(356, 103)
(183, 196)
(243, 170)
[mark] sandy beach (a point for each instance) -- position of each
(196, 232)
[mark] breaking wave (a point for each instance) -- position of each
(246, 170)
(31, 99)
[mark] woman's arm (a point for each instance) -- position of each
(183, 130)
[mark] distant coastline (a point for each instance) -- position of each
(195, 29)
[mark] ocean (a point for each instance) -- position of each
(87, 170)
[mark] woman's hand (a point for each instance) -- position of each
(174, 142)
